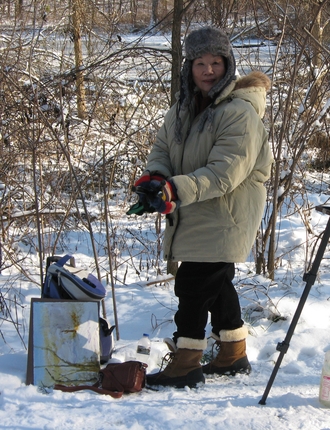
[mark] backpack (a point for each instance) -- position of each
(72, 283)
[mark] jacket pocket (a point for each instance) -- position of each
(223, 213)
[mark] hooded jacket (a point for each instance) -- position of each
(219, 173)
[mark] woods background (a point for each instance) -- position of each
(82, 95)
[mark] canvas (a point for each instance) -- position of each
(64, 343)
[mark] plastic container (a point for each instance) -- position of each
(324, 395)
(143, 349)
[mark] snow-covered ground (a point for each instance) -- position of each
(223, 402)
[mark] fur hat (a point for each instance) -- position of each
(207, 40)
(199, 42)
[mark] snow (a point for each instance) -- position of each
(147, 304)
(223, 402)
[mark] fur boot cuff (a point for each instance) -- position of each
(234, 335)
(188, 343)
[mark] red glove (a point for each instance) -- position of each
(144, 180)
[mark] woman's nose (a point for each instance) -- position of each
(209, 69)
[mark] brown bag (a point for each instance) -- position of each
(115, 379)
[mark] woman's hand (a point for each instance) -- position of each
(164, 201)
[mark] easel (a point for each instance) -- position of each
(309, 278)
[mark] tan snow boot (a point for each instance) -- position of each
(231, 358)
(184, 369)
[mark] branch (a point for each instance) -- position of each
(316, 41)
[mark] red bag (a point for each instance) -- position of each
(115, 380)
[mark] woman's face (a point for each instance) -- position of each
(207, 71)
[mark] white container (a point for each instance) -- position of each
(143, 349)
(324, 395)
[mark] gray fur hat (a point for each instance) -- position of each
(199, 42)
(207, 40)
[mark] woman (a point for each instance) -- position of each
(210, 159)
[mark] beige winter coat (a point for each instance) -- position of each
(219, 176)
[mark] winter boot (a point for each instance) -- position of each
(184, 367)
(231, 358)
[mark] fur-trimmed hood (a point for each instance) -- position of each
(251, 88)
(254, 79)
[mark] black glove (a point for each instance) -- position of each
(165, 200)
(146, 187)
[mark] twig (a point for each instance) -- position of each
(158, 281)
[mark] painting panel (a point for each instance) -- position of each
(65, 342)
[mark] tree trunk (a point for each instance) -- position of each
(81, 97)
(18, 8)
(133, 8)
(317, 33)
(172, 267)
(176, 49)
(178, 12)
(154, 12)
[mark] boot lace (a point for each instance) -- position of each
(166, 360)
(215, 349)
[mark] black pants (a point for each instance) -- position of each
(203, 288)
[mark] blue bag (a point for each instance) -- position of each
(72, 283)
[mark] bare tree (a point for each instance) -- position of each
(76, 24)
(154, 12)
(291, 124)
(176, 49)
(53, 163)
